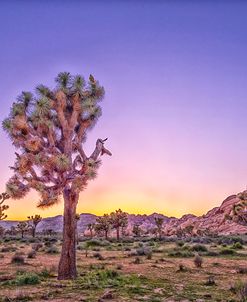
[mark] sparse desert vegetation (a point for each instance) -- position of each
(131, 269)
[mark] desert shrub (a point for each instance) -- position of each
(228, 240)
(6, 239)
(48, 244)
(96, 249)
(23, 240)
(180, 254)
(127, 249)
(80, 247)
(137, 260)
(52, 250)
(119, 266)
(199, 248)
(180, 243)
(210, 281)
(212, 253)
(97, 242)
(45, 273)
(186, 246)
(132, 253)
(143, 251)
(241, 290)
(227, 251)
(7, 249)
(242, 270)
(128, 240)
(237, 246)
(138, 244)
(31, 254)
(37, 246)
(181, 268)
(31, 240)
(17, 258)
(27, 279)
(98, 256)
(157, 250)
(198, 261)
(106, 279)
(149, 255)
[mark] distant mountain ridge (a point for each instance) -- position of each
(213, 222)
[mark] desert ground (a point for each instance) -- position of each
(134, 269)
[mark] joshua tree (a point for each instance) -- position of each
(91, 227)
(3, 207)
(33, 222)
(49, 130)
(103, 224)
(118, 219)
(136, 230)
(159, 224)
(22, 227)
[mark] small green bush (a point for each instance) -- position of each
(52, 250)
(227, 251)
(17, 258)
(237, 246)
(212, 253)
(199, 248)
(27, 279)
(180, 243)
(181, 254)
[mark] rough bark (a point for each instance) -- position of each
(117, 229)
(67, 263)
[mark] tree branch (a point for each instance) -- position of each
(100, 149)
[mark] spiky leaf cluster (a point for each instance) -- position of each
(3, 207)
(48, 128)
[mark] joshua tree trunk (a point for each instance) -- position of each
(67, 263)
(33, 231)
(106, 235)
(117, 233)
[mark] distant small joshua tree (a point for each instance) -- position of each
(91, 227)
(103, 224)
(136, 230)
(118, 219)
(22, 227)
(33, 223)
(159, 224)
(3, 207)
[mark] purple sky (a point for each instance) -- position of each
(176, 95)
